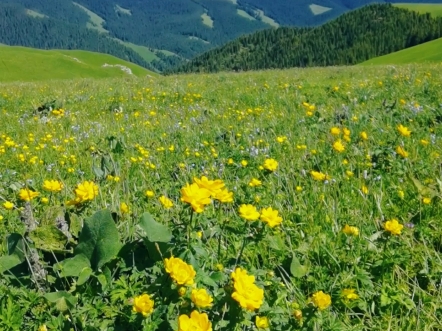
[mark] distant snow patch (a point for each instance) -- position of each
(74, 58)
(123, 68)
(318, 10)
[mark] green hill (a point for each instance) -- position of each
(427, 52)
(352, 38)
(29, 64)
(434, 8)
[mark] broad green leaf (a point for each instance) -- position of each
(8, 262)
(63, 300)
(48, 238)
(16, 251)
(16, 246)
(99, 239)
(73, 266)
(75, 224)
(155, 232)
(84, 276)
(297, 269)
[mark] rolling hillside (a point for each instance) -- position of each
(352, 38)
(434, 9)
(427, 52)
(159, 30)
(28, 64)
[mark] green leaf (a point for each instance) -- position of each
(155, 232)
(63, 300)
(99, 240)
(73, 266)
(84, 276)
(297, 269)
(423, 190)
(8, 262)
(16, 251)
(48, 238)
(75, 224)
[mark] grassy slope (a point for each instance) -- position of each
(428, 52)
(28, 64)
(434, 8)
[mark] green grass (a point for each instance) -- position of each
(356, 249)
(28, 64)
(434, 8)
(427, 52)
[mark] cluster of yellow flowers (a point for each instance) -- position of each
(267, 215)
(200, 193)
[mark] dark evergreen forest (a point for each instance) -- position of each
(173, 25)
(350, 39)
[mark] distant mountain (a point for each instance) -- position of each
(352, 38)
(167, 32)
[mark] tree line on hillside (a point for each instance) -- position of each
(19, 29)
(350, 39)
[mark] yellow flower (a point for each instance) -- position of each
(351, 230)
(181, 272)
(43, 328)
(321, 300)
(403, 130)
(297, 314)
(247, 294)
(8, 205)
(424, 142)
(201, 298)
(335, 131)
(319, 175)
(166, 202)
(364, 189)
(363, 135)
(86, 191)
(224, 196)
(149, 194)
(248, 212)
(270, 216)
(401, 194)
(196, 322)
(124, 208)
(255, 182)
(426, 201)
(349, 294)
(281, 139)
(182, 291)
(143, 304)
(244, 163)
(52, 185)
(27, 195)
(270, 164)
(196, 196)
(393, 226)
(213, 186)
(401, 151)
(44, 200)
(338, 146)
(262, 322)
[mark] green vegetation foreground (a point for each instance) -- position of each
(284, 200)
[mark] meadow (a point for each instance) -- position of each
(304, 199)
